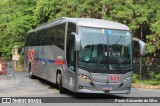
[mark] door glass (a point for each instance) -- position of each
(70, 53)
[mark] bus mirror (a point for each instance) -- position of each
(77, 42)
(142, 46)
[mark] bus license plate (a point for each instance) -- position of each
(107, 87)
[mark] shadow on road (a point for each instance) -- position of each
(45, 82)
(96, 96)
(80, 95)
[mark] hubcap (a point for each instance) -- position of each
(30, 73)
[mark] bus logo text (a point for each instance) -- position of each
(114, 78)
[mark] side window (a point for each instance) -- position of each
(36, 41)
(70, 53)
(30, 39)
(42, 37)
(51, 35)
(60, 33)
(56, 35)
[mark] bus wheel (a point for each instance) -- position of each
(30, 72)
(61, 89)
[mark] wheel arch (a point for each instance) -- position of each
(59, 71)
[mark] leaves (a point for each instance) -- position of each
(19, 16)
(16, 18)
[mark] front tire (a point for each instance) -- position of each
(61, 89)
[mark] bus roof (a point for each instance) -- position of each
(87, 22)
(99, 23)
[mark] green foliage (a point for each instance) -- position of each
(152, 75)
(135, 78)
(16, 18)
(151, 82)
(19, 16)
(154, 79)
(158, 77)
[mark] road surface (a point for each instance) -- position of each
(18, 84)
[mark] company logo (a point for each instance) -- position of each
(30, 55)
(6, 100)
(21, 100)
(114, 78)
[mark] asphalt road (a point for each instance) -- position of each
(18, 84)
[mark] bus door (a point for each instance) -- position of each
(70, 73)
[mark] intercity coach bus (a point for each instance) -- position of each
(82, 55)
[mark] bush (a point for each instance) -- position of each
(154, 78)
(158, 77)
(135, 78)
(151, 82)
(152, 75)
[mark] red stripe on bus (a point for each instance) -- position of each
(59, 62)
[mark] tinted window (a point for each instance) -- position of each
(71, 63)
(50, 36)
(30, 39)
(55, 35)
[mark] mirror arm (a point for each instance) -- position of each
(77, 42)
(73, 33)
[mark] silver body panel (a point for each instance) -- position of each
(88, 22)
(98, 23)
(101, 80)
(44, 65)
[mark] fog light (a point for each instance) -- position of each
(80, 87)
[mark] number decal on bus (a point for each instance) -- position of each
(114, 78)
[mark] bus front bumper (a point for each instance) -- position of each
(104, 92)
(116, 88)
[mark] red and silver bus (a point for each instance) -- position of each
(82, 55)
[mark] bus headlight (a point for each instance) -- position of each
(126, 80)
(86, 78)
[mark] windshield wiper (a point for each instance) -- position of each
(105, 66)
(100, 59)
(118, 39)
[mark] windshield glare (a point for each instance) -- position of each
(104, 49)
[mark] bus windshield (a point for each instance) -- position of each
(105, 50)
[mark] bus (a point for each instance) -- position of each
(83, 55)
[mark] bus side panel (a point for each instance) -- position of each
(45, 62)
(50, 57)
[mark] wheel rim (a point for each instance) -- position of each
(30, 73)
(58, 79)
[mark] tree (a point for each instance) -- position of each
(19, 16)
(16, 19)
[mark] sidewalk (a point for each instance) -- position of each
(145, 86)
(10, 72)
